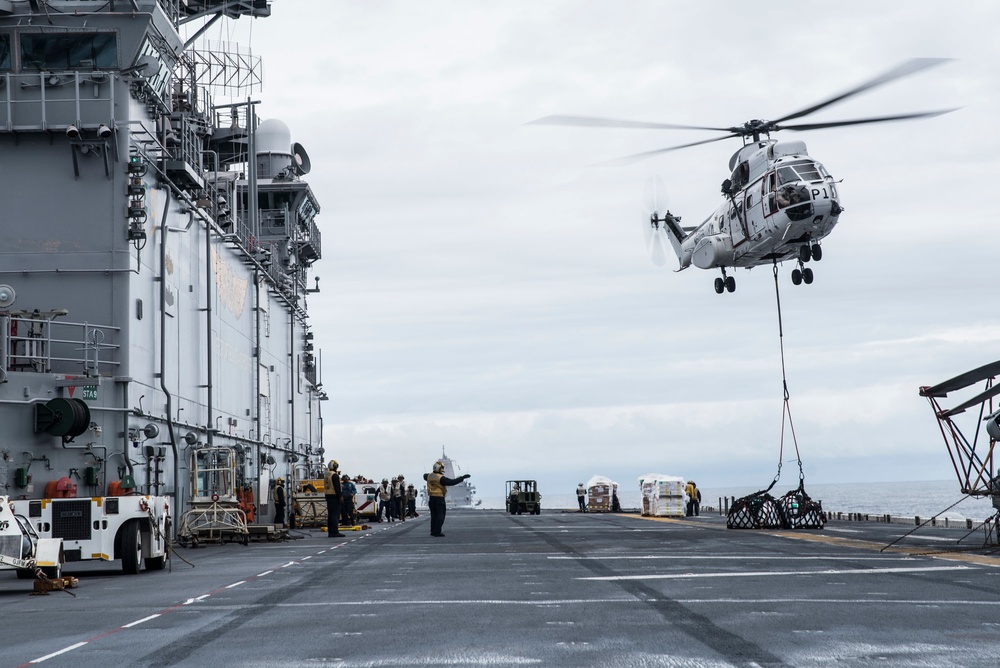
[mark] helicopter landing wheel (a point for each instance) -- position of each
(807, 275)
(797, 277)
(817, 252)
(730, 284)
(805, 253)
(720, 286)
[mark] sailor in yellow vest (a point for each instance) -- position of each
(436, 484)
(334, 496)
(693, 496)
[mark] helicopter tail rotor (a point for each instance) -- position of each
(655, 206)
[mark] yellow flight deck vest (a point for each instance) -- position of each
(434, 486)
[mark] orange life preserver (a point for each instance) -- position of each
(63, 488)
(244, 497)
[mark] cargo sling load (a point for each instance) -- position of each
(662, 495)
(602, 494)
(157, 241)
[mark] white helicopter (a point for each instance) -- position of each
(780, 202)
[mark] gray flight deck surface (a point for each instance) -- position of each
(559, 589)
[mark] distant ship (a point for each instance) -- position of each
(462, 495)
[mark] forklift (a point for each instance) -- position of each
(523, 497)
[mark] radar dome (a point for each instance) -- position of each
(274, 148)
(273, 136)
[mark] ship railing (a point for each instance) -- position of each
(310, 243)
(48, 100)
(273, 221)
(39, 343)
(145, 140)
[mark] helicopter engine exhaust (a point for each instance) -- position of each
(713, 251)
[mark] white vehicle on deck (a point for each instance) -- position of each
(21, 548)
(131, 528)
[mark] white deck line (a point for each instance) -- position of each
(140, 621)
(736, 558)
(850, 571)
(62, 651)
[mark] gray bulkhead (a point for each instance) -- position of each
(172, 304)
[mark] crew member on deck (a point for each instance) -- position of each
(400, 498)
(411, 501)
(436, 491)
(581, 497)
(279, 501)
(334, 496)
(692, 493)
(384, 497)
(514, 500)
(347, 505)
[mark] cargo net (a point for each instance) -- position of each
(755, 511)
(794, 510)
(760, 510)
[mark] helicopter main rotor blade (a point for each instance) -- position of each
(904, 69)
(593, 121)
(636, 157)
(860, 121)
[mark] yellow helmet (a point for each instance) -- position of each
(438, 467)
(280, 481)
(333, 465)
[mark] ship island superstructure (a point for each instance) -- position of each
(155, 254)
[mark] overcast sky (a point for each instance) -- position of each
(485, 289)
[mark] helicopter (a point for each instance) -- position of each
(780, 202)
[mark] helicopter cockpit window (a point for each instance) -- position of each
(69, 51)
(741, 175)
(800, 170)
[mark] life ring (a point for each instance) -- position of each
(215, 497)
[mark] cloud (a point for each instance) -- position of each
(486, 291)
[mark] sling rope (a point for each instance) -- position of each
(786, 408)
(795, 509)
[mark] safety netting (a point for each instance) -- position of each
(759, 510)
(795, 510)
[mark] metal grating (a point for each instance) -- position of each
(71, 519)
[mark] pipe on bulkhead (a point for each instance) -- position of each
(257, 378)
(163, 359)
(293, 376)
(209, 427)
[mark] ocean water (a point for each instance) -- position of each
(924, 498)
